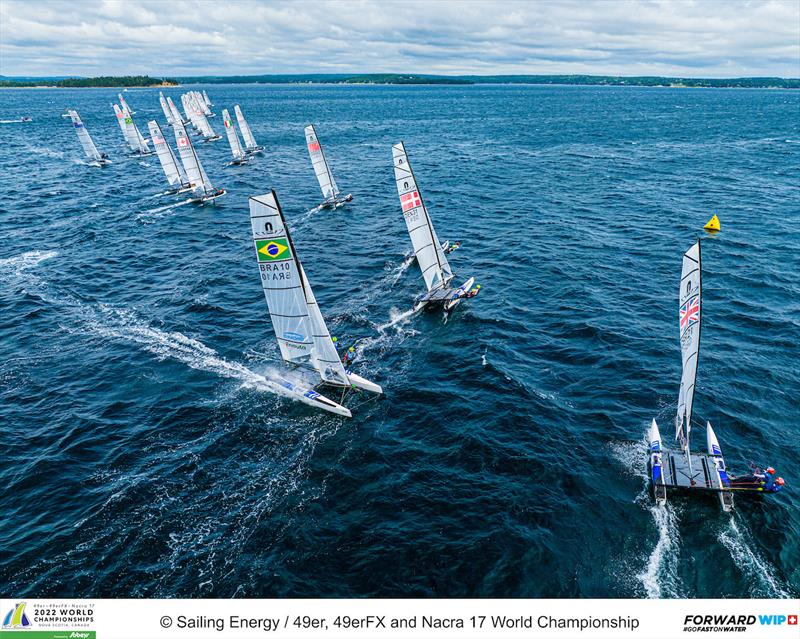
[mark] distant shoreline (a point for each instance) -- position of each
(147, 82)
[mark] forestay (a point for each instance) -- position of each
(83, 135)
(689, 311)
(249, 140)
(176, 176)
(299, 326)
(321, 168)
(427, 248)
(194, 170)
(233, 138)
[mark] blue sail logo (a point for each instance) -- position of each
(16, 618)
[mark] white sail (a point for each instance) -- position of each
(126, 124)
(194, 170)
(320, 164)
(200, 118)
(165, 107)
(202, 103)
(124, 104)
(143, 147)
(176, 176)
(689, 312)
(83, 135)
(249, 140)
(176, 115)
(233, 138)
(299, 326)
(206, 99)
(428, 249)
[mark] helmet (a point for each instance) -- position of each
(779, 481)
(477, 286)
(334, 339)
(771, 470)
(351, 349)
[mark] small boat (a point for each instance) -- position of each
(92, 154)
(124, 104)
(176, 115)
(202, 189)
(136, 143)
(239, 156)
(249, 141)
(165, 107)
(323, 171)
(301, 332)
(176, 175)
(436, 271)
(206, 99)
(26, 118)
(684, 470)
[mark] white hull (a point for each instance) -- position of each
(655, 466)
(459, 294)
(306, 395)
(364, 384)
(721, 479)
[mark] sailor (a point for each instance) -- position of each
(452, 247)
(349, 356)
(769, 477)
(473, 292)
(776, 485)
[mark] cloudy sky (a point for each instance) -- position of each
(702, 38)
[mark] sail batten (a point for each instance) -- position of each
(432, 261)
(320, 163)
(689, 321)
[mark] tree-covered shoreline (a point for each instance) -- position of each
(101, 81)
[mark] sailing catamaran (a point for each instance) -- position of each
(176, 176)
(249, 141)
(206, 99)
(324, 176)
(685, 469)
(136, 143)
(300, 329)
(201, 187)
(165, 107)
(427, 248)
(176, 115)
(239, 156)
(95, 157)
(124, 104)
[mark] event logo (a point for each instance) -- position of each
(16, 617)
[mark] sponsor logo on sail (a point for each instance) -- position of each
(16, 617)
(294, 336)
(269, 250)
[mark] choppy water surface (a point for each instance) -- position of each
(507, 457)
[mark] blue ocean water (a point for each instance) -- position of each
(506, 458)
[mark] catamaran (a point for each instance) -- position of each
(176, 175)
(206, 99)
(427, 248)
(165, 107)
(249, 141)
(176, 115)
(93, 155)
(685, 469)
(239, 156)
(136, 143)
(201, 187)
(124, 104)
(201, 120)
(324, 176)
(300, 329)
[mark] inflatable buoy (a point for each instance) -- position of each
(712, 224)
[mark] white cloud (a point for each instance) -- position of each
(654, 37)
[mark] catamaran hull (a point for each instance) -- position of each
(655, 467)
(364, 384)
(336, 202)
(254, 150)
(306, 395)
(209, 198)
(725, 498)
(461, 291)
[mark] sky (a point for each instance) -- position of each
(164, 38)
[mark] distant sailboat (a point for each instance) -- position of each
(176, 115)
(201, 121)
(206, 100)
(436, 271)
(124, 104)
(202, 188)
(239, 156)
(136, 143)
(165, 107)
(323, 171)
(300, 329)
(249, 141)
(93, 155)
(176, 175)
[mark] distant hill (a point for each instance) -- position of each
(102, 81)
(402, 78)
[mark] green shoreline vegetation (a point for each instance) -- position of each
(405, 79)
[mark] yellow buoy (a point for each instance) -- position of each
(712, 224)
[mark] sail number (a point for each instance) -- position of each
(274, 271)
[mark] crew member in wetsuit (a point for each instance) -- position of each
(473, 292)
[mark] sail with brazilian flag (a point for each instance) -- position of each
(300, 329)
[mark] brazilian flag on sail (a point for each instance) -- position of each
(273, 250)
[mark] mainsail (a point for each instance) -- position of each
(130, 136)
(206, 100)
(249, 140)
(194, 170)
(176, 176)
(299, 326)
(689, 311)
(427, 247)
(124, 104)
(176, 115)
(83, 135)
(233, 138)
(321, 168)
(165, 107)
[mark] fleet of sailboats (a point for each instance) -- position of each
(330, 192)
